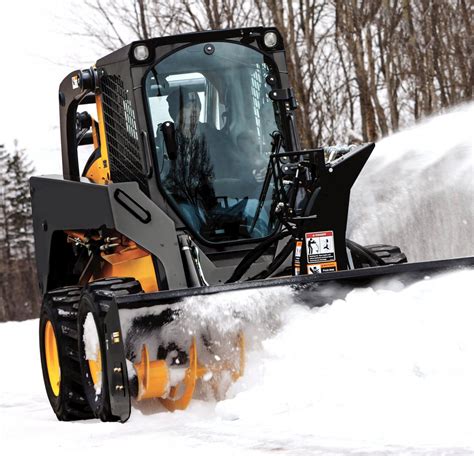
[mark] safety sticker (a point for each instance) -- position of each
(297, 259)
(322, 267)
(298, 248)
(320, 247)
(75, 81)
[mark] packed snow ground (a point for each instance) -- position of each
(381, 372)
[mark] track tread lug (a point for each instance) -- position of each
(389, 254)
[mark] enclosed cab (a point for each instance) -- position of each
(182, 137)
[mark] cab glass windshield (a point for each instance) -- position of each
(216, 97)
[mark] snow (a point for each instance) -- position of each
(92, 346)
(177, 375)
(417, 189)
(383, 372)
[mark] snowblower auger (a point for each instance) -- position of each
(111, 379)
(197, 185)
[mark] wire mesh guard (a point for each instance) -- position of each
(122, 133)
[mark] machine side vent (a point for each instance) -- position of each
(121, 132)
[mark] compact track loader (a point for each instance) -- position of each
(196, 186)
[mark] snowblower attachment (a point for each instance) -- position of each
(175, 377)
(132, 357)
(197, 194)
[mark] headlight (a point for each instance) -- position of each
(270, 39)
(141, 52)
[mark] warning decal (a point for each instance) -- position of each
(298, 247)
(297, 258)
(322, 267)
(320, 247)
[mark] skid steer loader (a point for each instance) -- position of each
(196, 186)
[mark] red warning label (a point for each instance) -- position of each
(320, 247)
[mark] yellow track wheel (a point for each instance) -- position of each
(95, 368)
(52, 358)
(59, 354)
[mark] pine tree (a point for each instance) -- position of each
(4, 224)
(24, 302)
(19, 297)
(4, 235)
(19, 169)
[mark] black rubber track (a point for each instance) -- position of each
(389, 254)
(60, 308)
(94, 299)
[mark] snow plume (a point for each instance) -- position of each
(417, 190)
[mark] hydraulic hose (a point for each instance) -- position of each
(277, 262)
(254, 254)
